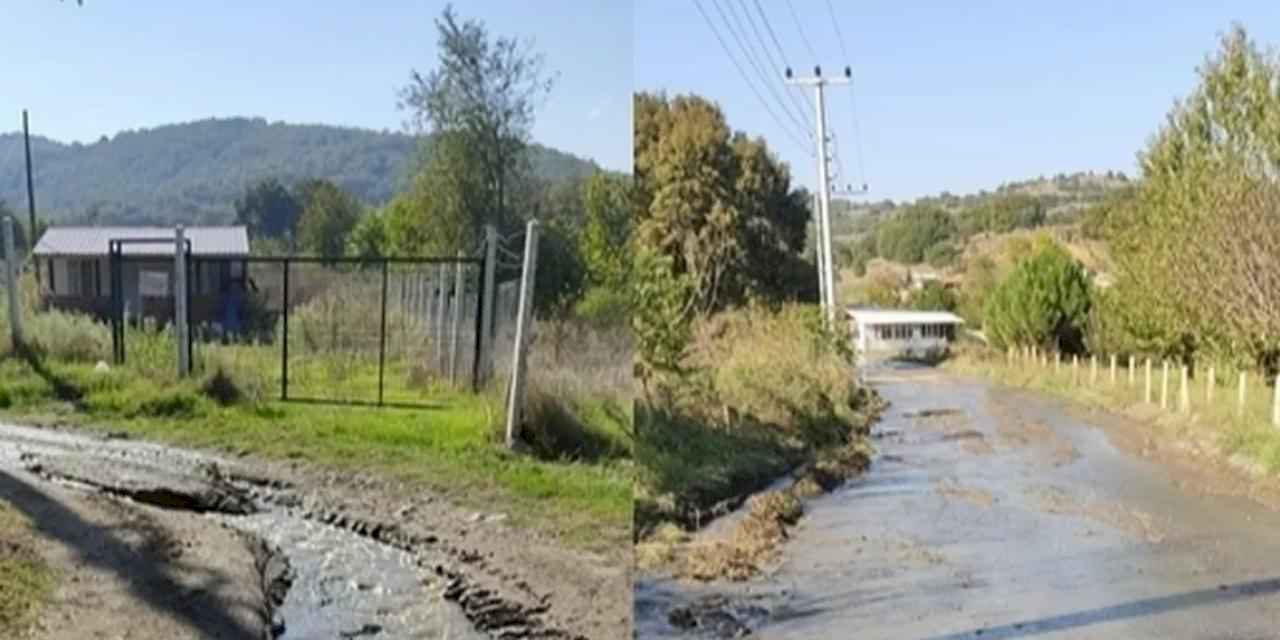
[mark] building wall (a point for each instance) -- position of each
(868, 340)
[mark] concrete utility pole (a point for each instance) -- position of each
(825, 191)
(817, 243)
(11, 280)
(180, 299)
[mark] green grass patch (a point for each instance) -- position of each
(452, 448)
(26, 582)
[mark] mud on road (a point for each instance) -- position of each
(155, 542)
(995, 513)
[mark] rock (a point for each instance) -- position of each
(101, 367)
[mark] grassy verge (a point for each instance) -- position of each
(769, 393)
(1213, 421)
(26, 583)
(453, 448)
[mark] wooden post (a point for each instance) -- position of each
(1093, 370)
(1146, 396)
(1240, 395)
(1184, 394)
(1057, 361)
(1113, 369)
(1164, 384)
(1132, 371)
(459, 285)
(1209, 385)
(515, 403)
(11, 280)
(1075, 369)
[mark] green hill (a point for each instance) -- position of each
(193, 172)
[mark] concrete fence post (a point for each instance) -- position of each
(1146, 395)
(1164, 384)
(1240, 394)
(11, 281)
(488, 303)
(1275, 404)
(1184, 394)
(1113, 369)
(524, 313)
(1209, 385)
(455, 333)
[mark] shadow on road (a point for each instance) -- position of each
(1128, 610)
(150, 579)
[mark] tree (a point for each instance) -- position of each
(328, 215)
(606, 237)
(483, 93)
(905, 236)
(1044, 301)
(268, 209)
(718, 203)
(368, 239)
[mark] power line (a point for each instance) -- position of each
(795, 16)
(782, 54)
(853, 101)
(779, 67)
(801, 123)
(745, 77)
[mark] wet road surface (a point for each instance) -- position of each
(329, 582)
(992, 513)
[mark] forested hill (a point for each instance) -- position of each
(193, 172)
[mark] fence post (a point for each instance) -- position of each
(1240, 395)
(1075, 369)
(1275, 404)
(1113, 369)
(1213, 382)
(1164, 384)
(1132, 371)
(487, 304)
(1057, 361)
(1146, 396)
(11, 280)
(515, 403)
(180, 299)
(1184, 394)
(1093, 370)
(459, 286)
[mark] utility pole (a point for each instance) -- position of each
(827, 275)
(817, 245)
(31, 196)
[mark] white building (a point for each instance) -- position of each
(893, 332)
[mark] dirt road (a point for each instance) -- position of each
(992, 513)
(152, 542)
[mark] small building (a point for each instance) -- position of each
(902, 333)
(77, 268)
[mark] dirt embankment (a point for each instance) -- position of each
(158, 540)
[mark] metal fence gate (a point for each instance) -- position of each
(365, 331)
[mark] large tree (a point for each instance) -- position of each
(717, 203)
(483, 92)
(328, 216)
(268, 209)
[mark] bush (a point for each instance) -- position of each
(604, 307)
(1044, 301)
(933, 296)
(943, 254)
(70, 337)
(777, 368)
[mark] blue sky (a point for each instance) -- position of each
(85, 71)
(958, 95)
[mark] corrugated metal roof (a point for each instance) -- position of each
(903, 316)
(93, 241)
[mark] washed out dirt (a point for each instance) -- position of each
(1063, 530)
(184, 544)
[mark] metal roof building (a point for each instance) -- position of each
(92, 241)
(901, 332)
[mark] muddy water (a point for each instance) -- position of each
(996, 515)
(342, 585)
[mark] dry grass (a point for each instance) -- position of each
(26, 582)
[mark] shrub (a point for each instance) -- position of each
(220, 388)
(604, 307)
(1045, 301)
